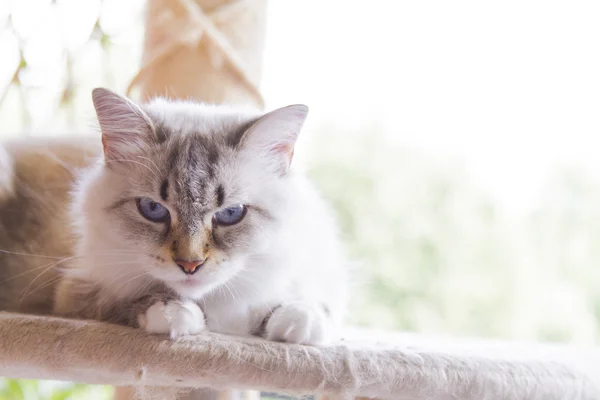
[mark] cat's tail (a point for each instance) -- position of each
(6, 174)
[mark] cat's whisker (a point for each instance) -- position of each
(115, 251)
(43, 285)
(239, 297)
(39, 200)
(226, 284)
(109, 295)
(17, 253)
(45, 270)
(35, 269)
(147, 286)
(124, 274)
(106, 298)
(53, 265)
(32, 270)
(135, 162)
(34, 255)
(221, 289)
(153, 163)
(252, 286)
(142, 290)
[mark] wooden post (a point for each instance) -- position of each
(207, 50)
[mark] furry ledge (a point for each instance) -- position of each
(413, 368)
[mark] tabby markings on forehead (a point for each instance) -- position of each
(161, 133)
(164, 194)
(220, 195)
(234, 137)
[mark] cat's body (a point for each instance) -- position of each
(190, 218)
(36, 235)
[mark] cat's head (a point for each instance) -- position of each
(186, 191)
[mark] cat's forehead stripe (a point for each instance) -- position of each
(193, 154)
(202, 156)
(161, 133)
(164, 190)
(220, 195)
(234, 137)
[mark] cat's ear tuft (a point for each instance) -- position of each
(125, 127)
(274, 136)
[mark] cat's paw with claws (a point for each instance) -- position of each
(298, 323)
(176, 318)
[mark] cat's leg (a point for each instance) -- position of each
(176, 317)
(157, 312)
(298, 322)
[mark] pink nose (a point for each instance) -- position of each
(189, 267)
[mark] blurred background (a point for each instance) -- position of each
(457, 141)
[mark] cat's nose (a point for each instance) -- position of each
(190, 267)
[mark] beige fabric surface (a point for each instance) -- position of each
(94, 352)
(207, 50)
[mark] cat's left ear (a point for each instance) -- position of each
(125, 127)
(274, 136)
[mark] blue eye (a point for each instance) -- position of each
(230, 215)
(152, 210)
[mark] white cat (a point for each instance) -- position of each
(193, 219)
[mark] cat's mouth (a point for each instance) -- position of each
(190, 281)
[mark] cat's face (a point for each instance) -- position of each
(193, 191)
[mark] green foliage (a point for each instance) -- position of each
(24, 389)
(437, 255)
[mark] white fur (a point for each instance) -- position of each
(297, 266)
(122, 121)
(175, 318)
(298, 323)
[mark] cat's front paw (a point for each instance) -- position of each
(298, 323)
(177, 318)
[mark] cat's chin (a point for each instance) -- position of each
(189, 288)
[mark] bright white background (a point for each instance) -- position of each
(511, 88)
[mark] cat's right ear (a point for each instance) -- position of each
(125, 127)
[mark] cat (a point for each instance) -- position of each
(188, 217)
